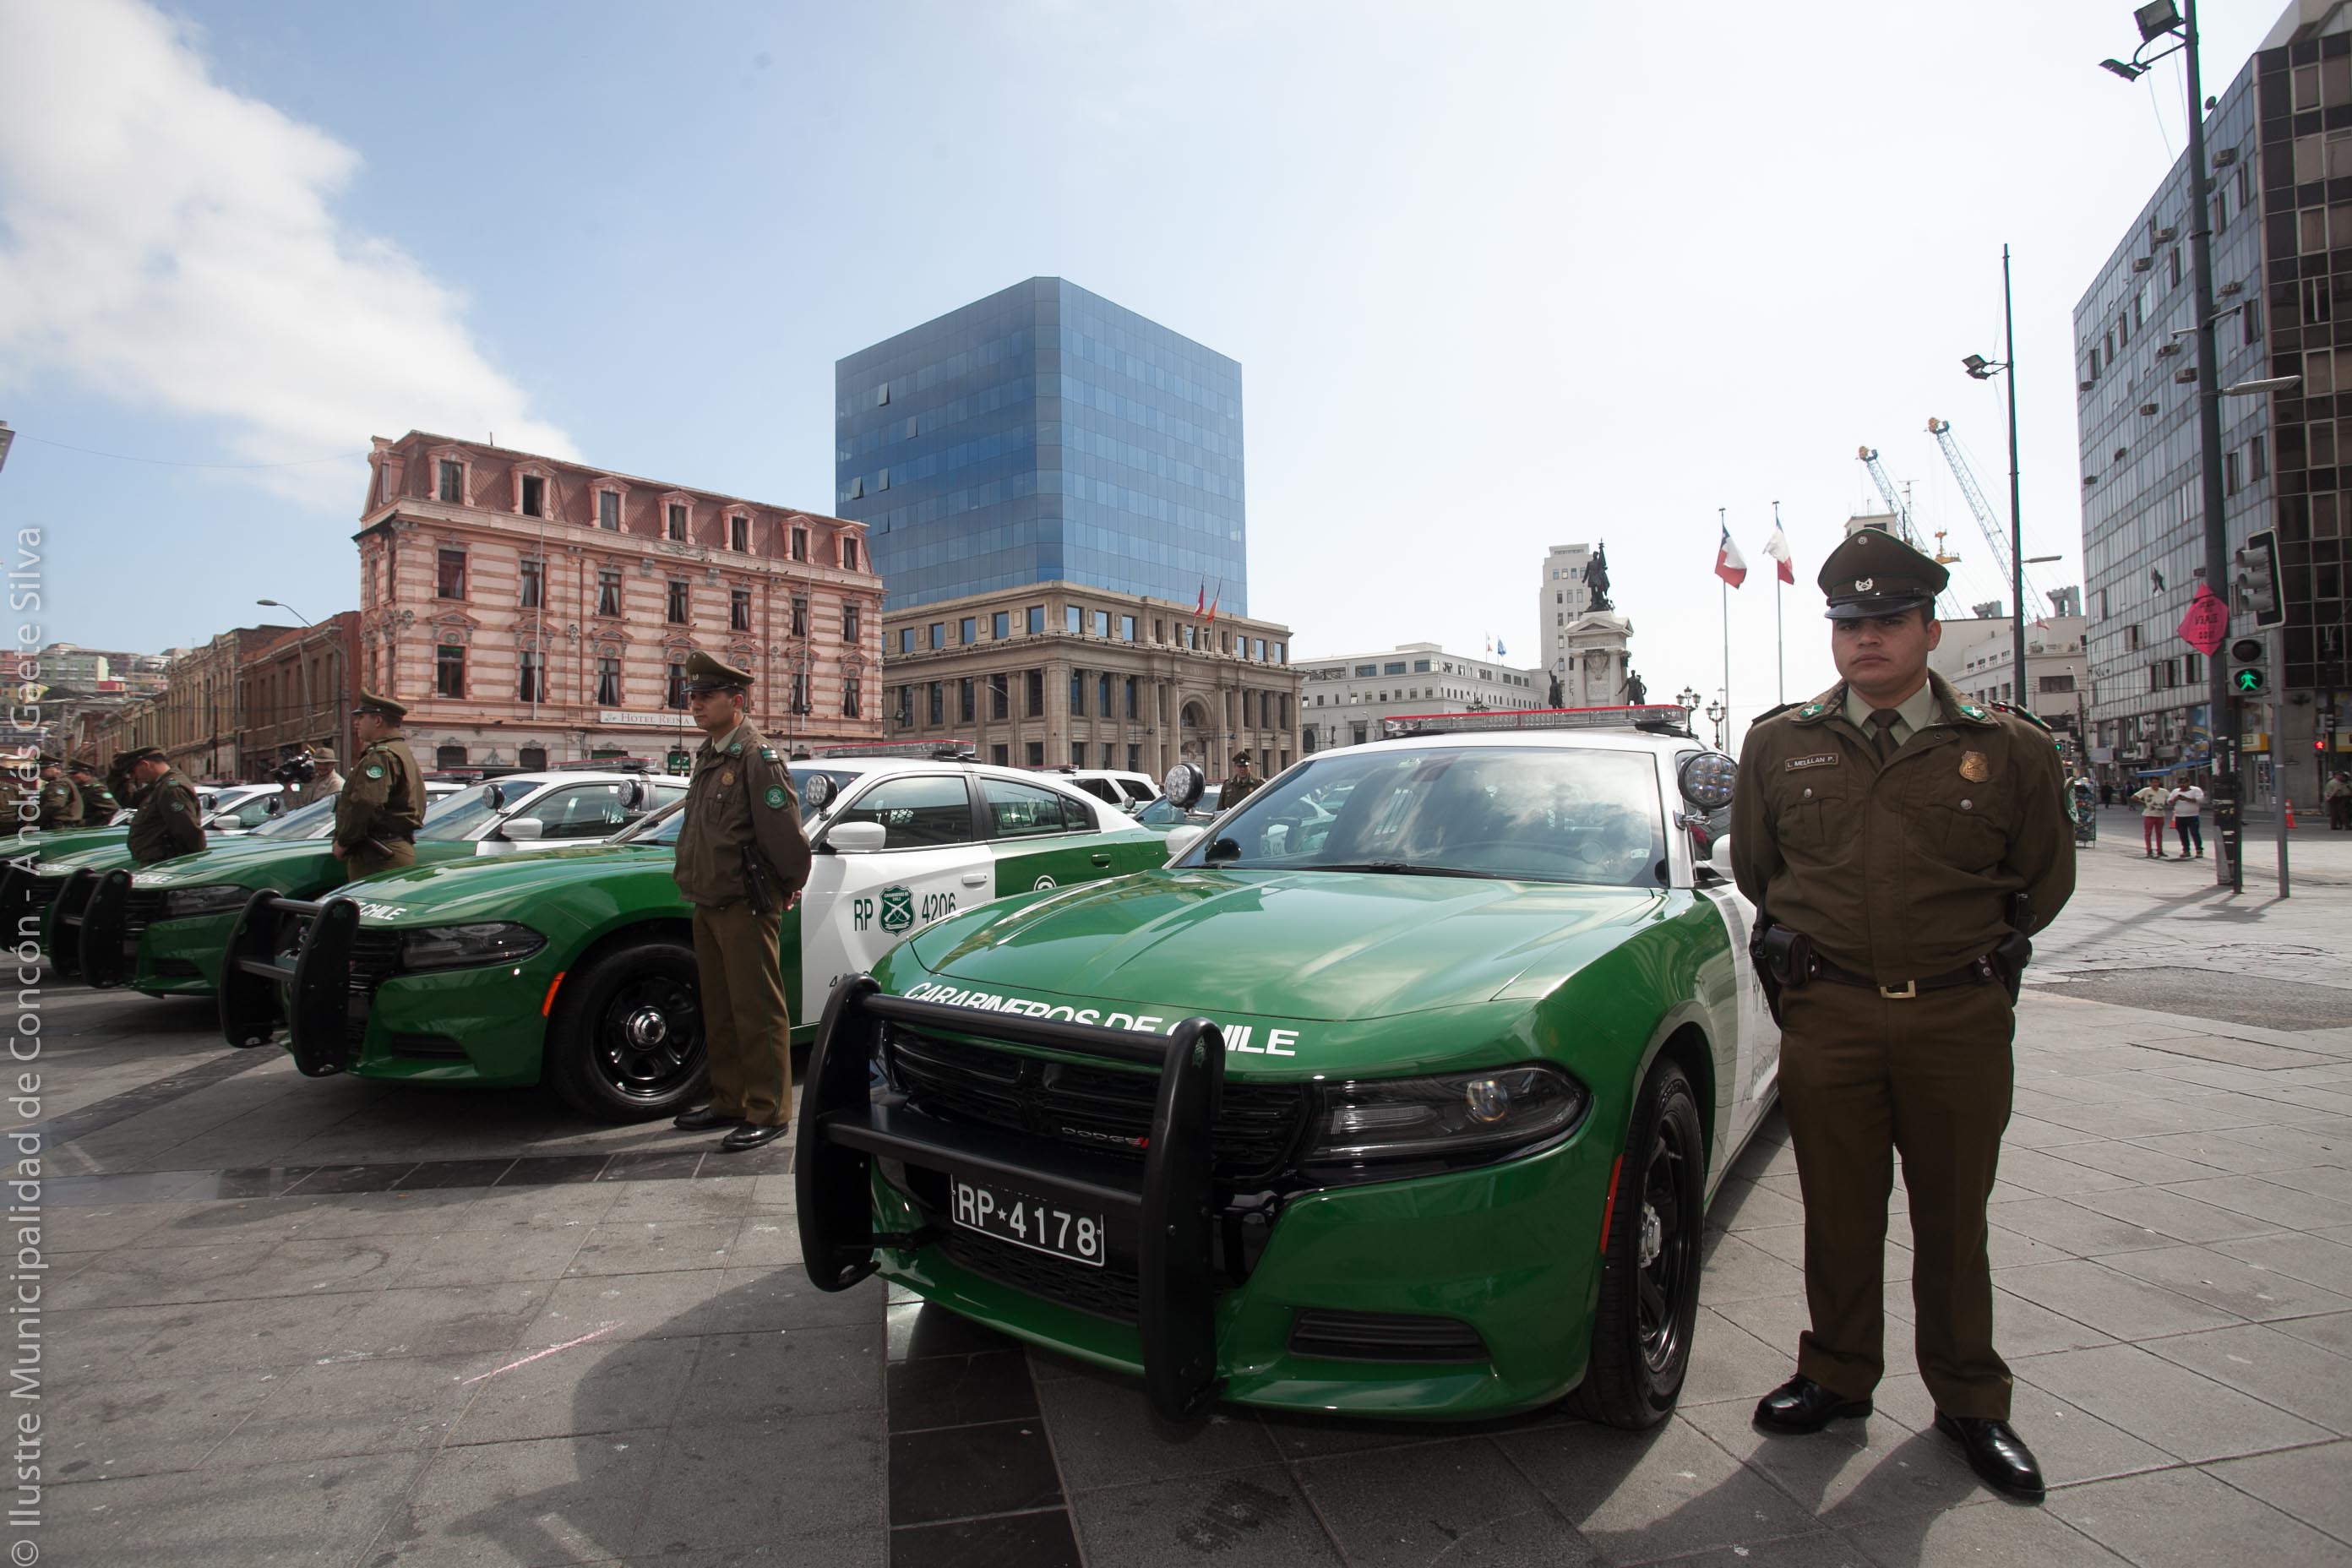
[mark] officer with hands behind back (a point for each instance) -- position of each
(742, 858)
(1901, 843)
(167, 822)
(378, 811)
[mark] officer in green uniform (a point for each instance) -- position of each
(167, 820)
(60, 801)
(1900, 843)
(741, 860)
(1240, 784)
(98, 802)
(379, 808)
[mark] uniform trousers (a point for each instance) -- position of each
(744, 1022)
(1863, 1077)
(368, 858)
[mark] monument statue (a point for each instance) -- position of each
(1554, 700)
(1596, 579)
(1636, 692)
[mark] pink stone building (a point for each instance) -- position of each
(532, 611)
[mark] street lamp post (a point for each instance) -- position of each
(1716, 713)
(1983, 368)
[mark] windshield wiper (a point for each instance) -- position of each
(1400, 869)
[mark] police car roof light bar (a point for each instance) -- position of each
(919, 750)
(1656, 718)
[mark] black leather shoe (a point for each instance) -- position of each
(748, 1136)
(1997, 1456)
(1800, 1404)
(703, 1118)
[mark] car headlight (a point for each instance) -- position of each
(180, 902)
(1484, 1113)
(453, 947)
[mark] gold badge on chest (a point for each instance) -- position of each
(1974, 767)
(727, 779)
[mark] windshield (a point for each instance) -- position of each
(315, 820)
(453, 816)
(1549, 814)
(663, 827)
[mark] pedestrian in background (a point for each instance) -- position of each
(2338, 796)
(2189, 816)
(2155, 802)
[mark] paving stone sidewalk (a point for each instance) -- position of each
(333, 1322)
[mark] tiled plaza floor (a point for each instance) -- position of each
(331, 1323)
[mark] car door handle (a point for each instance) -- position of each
(975, 878)
(1100, 859)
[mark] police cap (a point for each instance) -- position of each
(1240, 759)
(144, 754)
(383, 708)
(1875, 573)
(706, 674)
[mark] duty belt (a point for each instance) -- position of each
(1976, 971)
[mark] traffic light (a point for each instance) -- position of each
(2250, 674)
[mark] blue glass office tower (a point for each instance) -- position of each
(1045, 434)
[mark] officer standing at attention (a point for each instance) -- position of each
(1900, 843)
(168, 820)
(741, 860)
(377, 812)
(60, 801)
(98, 802)
(1240, 784)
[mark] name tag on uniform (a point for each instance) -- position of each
(1818, 760)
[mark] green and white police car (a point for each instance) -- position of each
(1401, 1090)
(576, 967)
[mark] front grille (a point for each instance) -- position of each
(139, 911)
(1102, 1109)
(1111, 1291)
(376, 958)
(428, 1047)
(177, 969)
(1329, 1335)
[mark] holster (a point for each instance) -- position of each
(1783, 960)
(2015, 950)
(755, 882)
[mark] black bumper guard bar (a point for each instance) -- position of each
(107, 956)
(17, 897)
(842, 1130)
(310, 997)
(66, 924)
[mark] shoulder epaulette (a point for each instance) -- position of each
(2016, 713)
(1771, 713)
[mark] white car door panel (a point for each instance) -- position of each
(858, 905)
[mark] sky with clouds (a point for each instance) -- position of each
(1498, 277)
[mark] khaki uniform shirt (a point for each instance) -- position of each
(169, 822)
(740, 793)
(1237, 789)
(384, 797)
(1903, 871)
(60, 804)
(98, 805)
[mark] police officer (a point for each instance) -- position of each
(166, 819)
(1902, 842)
(1239, 784)
(741, 860)
(60, 805)
(378, 809)
(98, 802)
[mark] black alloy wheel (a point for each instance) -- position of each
(1650, 1260)
(625, 1041)
(1667, 1250)
(649, 1038)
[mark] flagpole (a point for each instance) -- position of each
(1724, 593)
(1779, 642)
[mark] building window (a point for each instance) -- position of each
(608, 680)
(800, 693)
(452, 482)
(1127, 628)
(1077, 753)
(800, 614)
(451, 581)
(677, 520)
(1073, 620)
(800, 544)
(1000, 626)
(857, 488)
(608, 511)
(449, 671)
(848, 553)
(534, 496)
(1035, 683)
(849, 698)
(678, 603)
(938, 635)
(2250, 320)
(1036, 620)
(532, 686)
(531, 757)
(1134, 758)
(2049, 683)
(964, 706)
(738, 533)
(1000, 697)
(1130, 696)
(1102, 695)
(2230, 472)
(1283, 723)
(849, 623)
(608, 590)
(1102, 623)
(673, 693)
(1035, 753)
(2258, 458)
(738, 610)
(968, 631)
(1078, 692)
(1000, 755)
(449, 756)
(2175, 267)
(1260, 654)
(937, 707)
(534, 584)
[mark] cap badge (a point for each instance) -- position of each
(1864, 584)
(1974, 767)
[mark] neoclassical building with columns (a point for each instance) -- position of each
(531, 610)
(1062, 674)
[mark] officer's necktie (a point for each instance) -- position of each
(1883, 721)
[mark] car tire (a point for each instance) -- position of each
(1650, 1261)
(625, 1041)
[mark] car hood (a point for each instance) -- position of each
(493, 886)
(1292, 945)
(98, 855)
(234, 861)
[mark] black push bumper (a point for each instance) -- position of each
(109, 950)
(67, 924)
(308, 994)
(843, 1129)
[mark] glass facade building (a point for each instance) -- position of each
(1045, 434)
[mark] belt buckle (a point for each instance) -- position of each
(1910, 989)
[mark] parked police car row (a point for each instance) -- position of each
(1401, 1088)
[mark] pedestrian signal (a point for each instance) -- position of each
(2250, 674)
(2249, 683)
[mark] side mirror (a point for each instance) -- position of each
(857, 838)
(1181, 839)
(1184, 784)
(523, 828)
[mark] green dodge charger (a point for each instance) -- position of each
(1401, 1090)
(575, 966)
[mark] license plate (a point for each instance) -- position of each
(1028, 1221)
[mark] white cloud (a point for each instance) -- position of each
(171, 245)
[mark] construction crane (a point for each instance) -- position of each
(1903, 525)
(1941, 429)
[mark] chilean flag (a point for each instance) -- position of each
(1729, 564)
(1777, 547)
